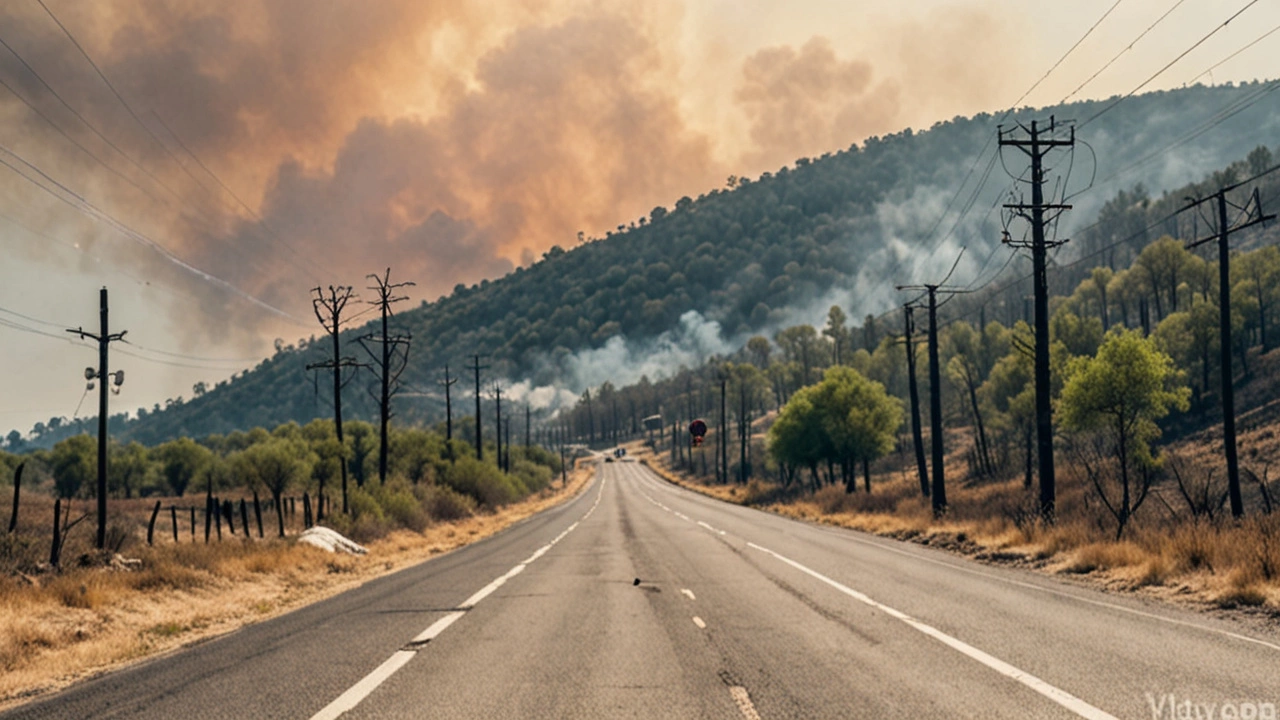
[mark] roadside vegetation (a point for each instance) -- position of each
(97, 608)
(816, 422)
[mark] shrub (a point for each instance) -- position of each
(443, 503)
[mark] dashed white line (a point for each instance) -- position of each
(1058, 695)
(698, 621)
(358, 692)
(743, 701)
(688, 592)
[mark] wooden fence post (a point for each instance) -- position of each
(57, 532)
(151, 526)
(173, 514)
(17, 488)
(193, 523)
(208, 518)
(244, 518)
(229, 512)
(217, 517)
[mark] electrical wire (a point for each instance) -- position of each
(1068, 52)
(1215, 66)
(1168, 65)
(1126, 49)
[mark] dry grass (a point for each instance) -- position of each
(1217, 563)
(58, 628)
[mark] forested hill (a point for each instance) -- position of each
(752, 256)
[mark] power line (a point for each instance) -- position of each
(1126, 49)
(1072, 49)
(1213, 67)
(83, 205)
(1170, 64)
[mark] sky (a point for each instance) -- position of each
(211, 162)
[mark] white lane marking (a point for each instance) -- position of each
(688, 592)
(853, 535)
(714, 530)
(743, 700)
(850, 535)
(682, 516)
(438, 627)
(361, 690)
(698, 621)
(1062, 697)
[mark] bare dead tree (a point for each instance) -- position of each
(328, 309)
(391, 359)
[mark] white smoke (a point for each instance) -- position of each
(623, 362)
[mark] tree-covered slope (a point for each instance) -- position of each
(753, 256)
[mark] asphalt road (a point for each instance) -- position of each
(738, 614)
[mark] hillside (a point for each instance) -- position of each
(753, 257)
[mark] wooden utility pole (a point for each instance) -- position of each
(477, 367)
(528, 424)
(497, 436)
(394, 357)
(448, 383)
(1251, 214)
(916, 431)
(328, 310)
(938, 493)
(104, 339)
(1036, 145)
(723, 445)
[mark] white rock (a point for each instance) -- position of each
(331, 540)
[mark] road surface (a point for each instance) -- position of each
(737, 614)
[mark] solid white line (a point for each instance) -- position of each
(1062, 697)
(953, 564)
(361, 690)
(358, 692)
(698, 621)
(688, 592)
(851, 535)
(743, 700)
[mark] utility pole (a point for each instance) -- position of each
(477, 367)
(1251, 214)
(528, 424)
(938, 494)
(1036, 143)
(328, 311)
(395, 350)
(104, 338)
(724, 429)
(448, 383)
(916, 433)
(497, 392)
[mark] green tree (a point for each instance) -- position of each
(859, 419)
(180, 461)
(276, 465)
(838, 332)
(74, 463)
(1119, 395)
(128, 468)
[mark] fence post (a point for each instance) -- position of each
(151, 526)
(193, 523)
(57, 533)
(229, 512)
(208, 517)
(173, 514)
(17, 488)
(244, 518)
(217, 517)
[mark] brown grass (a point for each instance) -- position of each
(58, 628)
